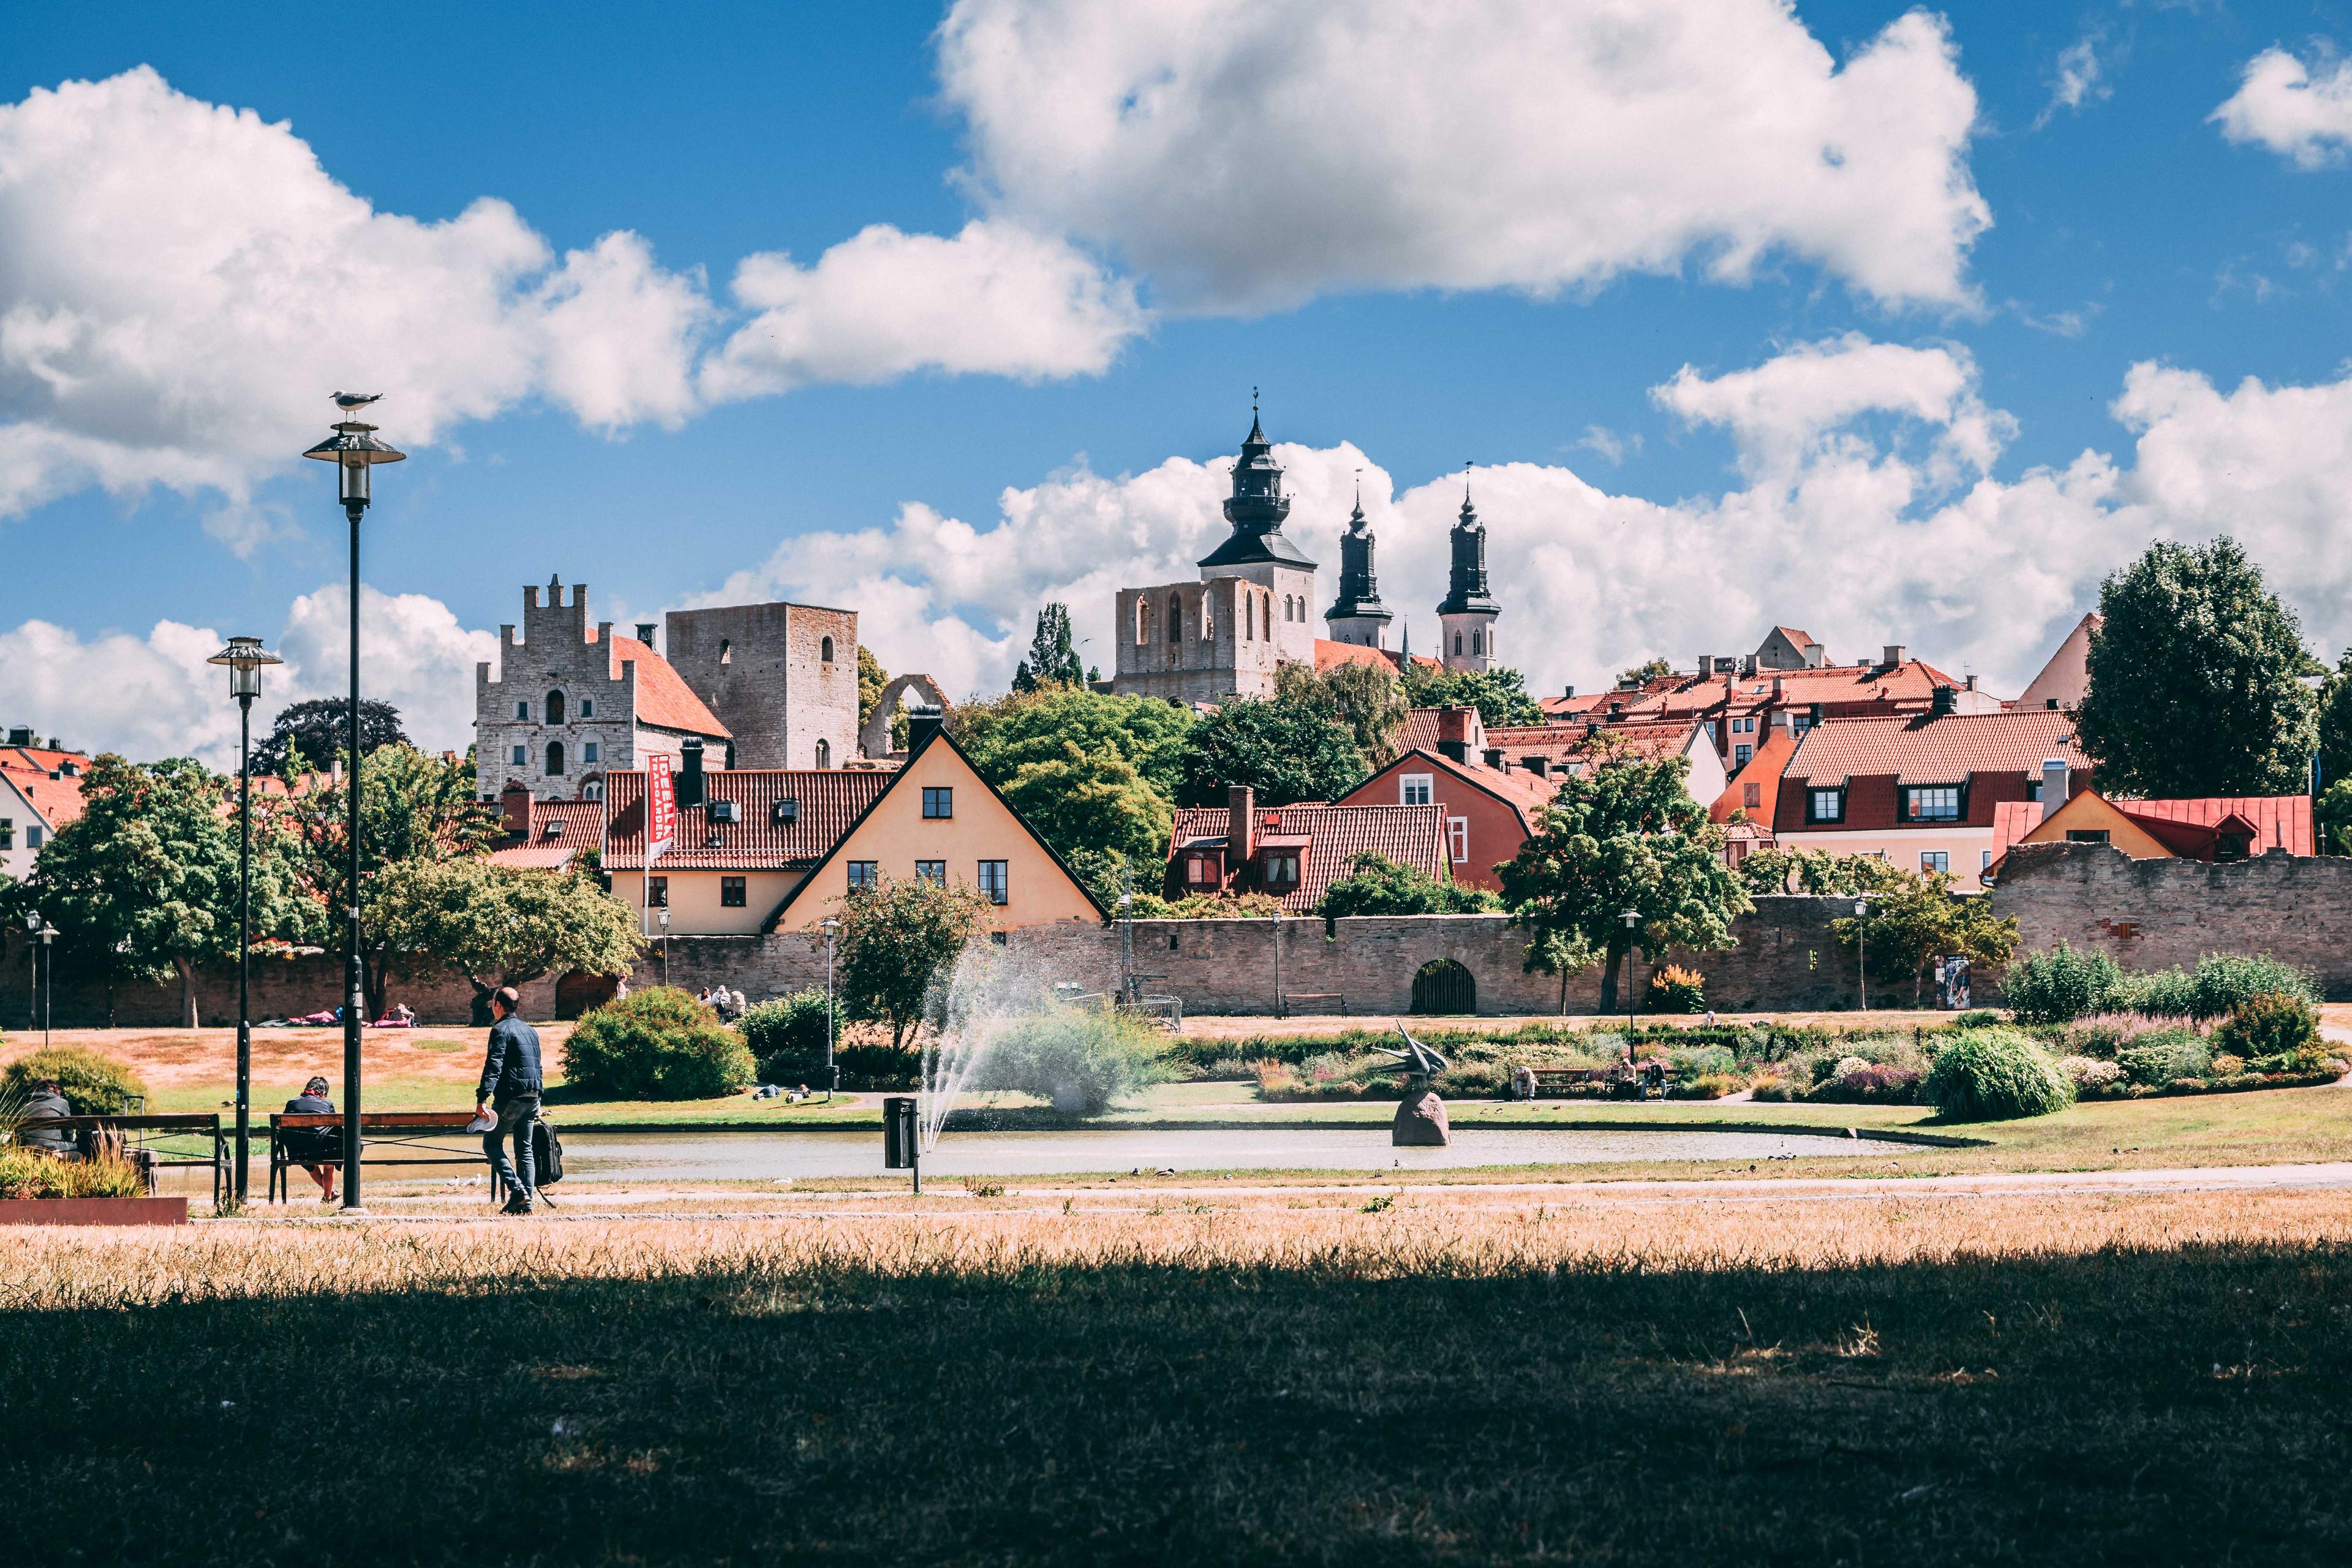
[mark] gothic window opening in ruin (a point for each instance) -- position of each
(1444, 986)
(825, 753)
(1475, 642)
(726, 650)
(555, 707)
(554, 757)
(1175, 619)
(824, 651)
(1142, 622)
(1208, 619)
(1249, 619)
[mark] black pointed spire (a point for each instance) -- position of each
(1256, 507)
(1359, 589)
(1466, 591)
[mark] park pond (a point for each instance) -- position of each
(754, 1156)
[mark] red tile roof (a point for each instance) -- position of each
(1801, 639)
(663, 698)
(1411, 835)
(1943, 748)
(2277, 819)
(57, 798)
(1522, 790)
(1763, 771)
(1561, 743)
(1329, 655)
(830, 801)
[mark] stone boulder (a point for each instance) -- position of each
(1421, 1122)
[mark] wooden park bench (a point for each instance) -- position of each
(145, 1137)
(410, 1135)
(1557, 1078)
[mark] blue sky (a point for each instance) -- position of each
(1529, 324)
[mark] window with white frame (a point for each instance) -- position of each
(1416, 789)
(1457, 839)
(1936, 862)
(1932, 803)
(1825, 806)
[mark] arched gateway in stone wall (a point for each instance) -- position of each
(874, 740)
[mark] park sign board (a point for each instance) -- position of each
(661, 806)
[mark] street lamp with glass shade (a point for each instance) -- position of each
(35, 926)
(832, 928)
(245, 658)
(355, 452)
(1632, 918)
(1862, 949)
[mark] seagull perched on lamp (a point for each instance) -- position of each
(352, 402)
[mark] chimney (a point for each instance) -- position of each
(1814, 716)
(1705, 665)
(922, 723)
(1779, 686)
(1241, 825)
(1496, 760)
(1747, 664)
(1944, 700)
(690, 771)
(1815, 656)
(2054, 785)
(646, 633)
(1539, 767)
(1568, 691)
(514, 807)
(22, 735)
(1459, 732)
(1892, 654)
(1972, 683)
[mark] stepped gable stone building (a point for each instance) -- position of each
(1252, 610)
(572, 703)
(784, 679)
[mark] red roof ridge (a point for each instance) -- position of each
(663, 698)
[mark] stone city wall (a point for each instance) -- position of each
(1785, 960)
(2152, 914)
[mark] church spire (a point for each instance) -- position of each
(1357, 616)
(1256, 507)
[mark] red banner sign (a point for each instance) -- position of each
(661, 806)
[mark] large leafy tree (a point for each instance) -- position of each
(498, 925)
(143, 884)
(1914, 918)
(1815, 871)
(1623, 834)
(311, 734)
(1285, 751)
(1093, 800)
(1004, 735)
(2195, 687)
(1367, 699)
(1649, 669)
(894, 938)
(1500, 695)
(1053, 658)
(1376, 885)
(2336, 727)
(871, 679)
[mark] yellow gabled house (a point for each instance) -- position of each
(774, 849)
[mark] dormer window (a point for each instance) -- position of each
(1825, 806)
(1931, 803)
(1278, 870)
(784, 812)
(1201, 871)
(552, 830)
(723, 811)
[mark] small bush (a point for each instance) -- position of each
(2227, 1066)
(25, 1173)
(1675, 989)
(2155, 1060)
(1707, 1086)
(2225, 981)
(786, 1037)
(93, 1085)
(2090, 1076)
(1994, 1075)
(2168, 993)
(2271, 1024)
(1975, 1018)
(1081, 1058)
(656, 1044)
(2062, 985)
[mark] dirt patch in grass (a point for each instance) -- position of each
(2036, 1380)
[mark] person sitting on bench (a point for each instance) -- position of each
(46, 1101)
(323, 1144)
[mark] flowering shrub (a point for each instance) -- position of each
(2274, 1025)
(1675, 989)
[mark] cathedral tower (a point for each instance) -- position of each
(1357, 616)
(1466, 618)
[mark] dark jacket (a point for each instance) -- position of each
(309, 1105)
(510, 1069)
(53, 1140)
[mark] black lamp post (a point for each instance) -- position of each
(245, 658)
(355, 450)
(37, 926)
(1632, 918)
(1861, 948)
(831, 927)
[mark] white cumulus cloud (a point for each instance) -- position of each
(153, 695)
(2299, 110)
(993, 300)
(1246, 154)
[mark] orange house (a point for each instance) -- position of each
(2216, 828)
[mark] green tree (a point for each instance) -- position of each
(1368, 700)
(1003, 734)
(2335, 729)
(1623, 834)
(871, 679)
(894, 938)
(1914, 918)
(1093, 800)
(1499, 695)
(2333, 818)
(1376, 885)
(1646, 671)
(496, 925)
(1285, 751)
(2194, 687)
(1053, 659)
(311, 734)
(143, 884)
(1815, 871)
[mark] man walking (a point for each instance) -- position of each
(511, 1087)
